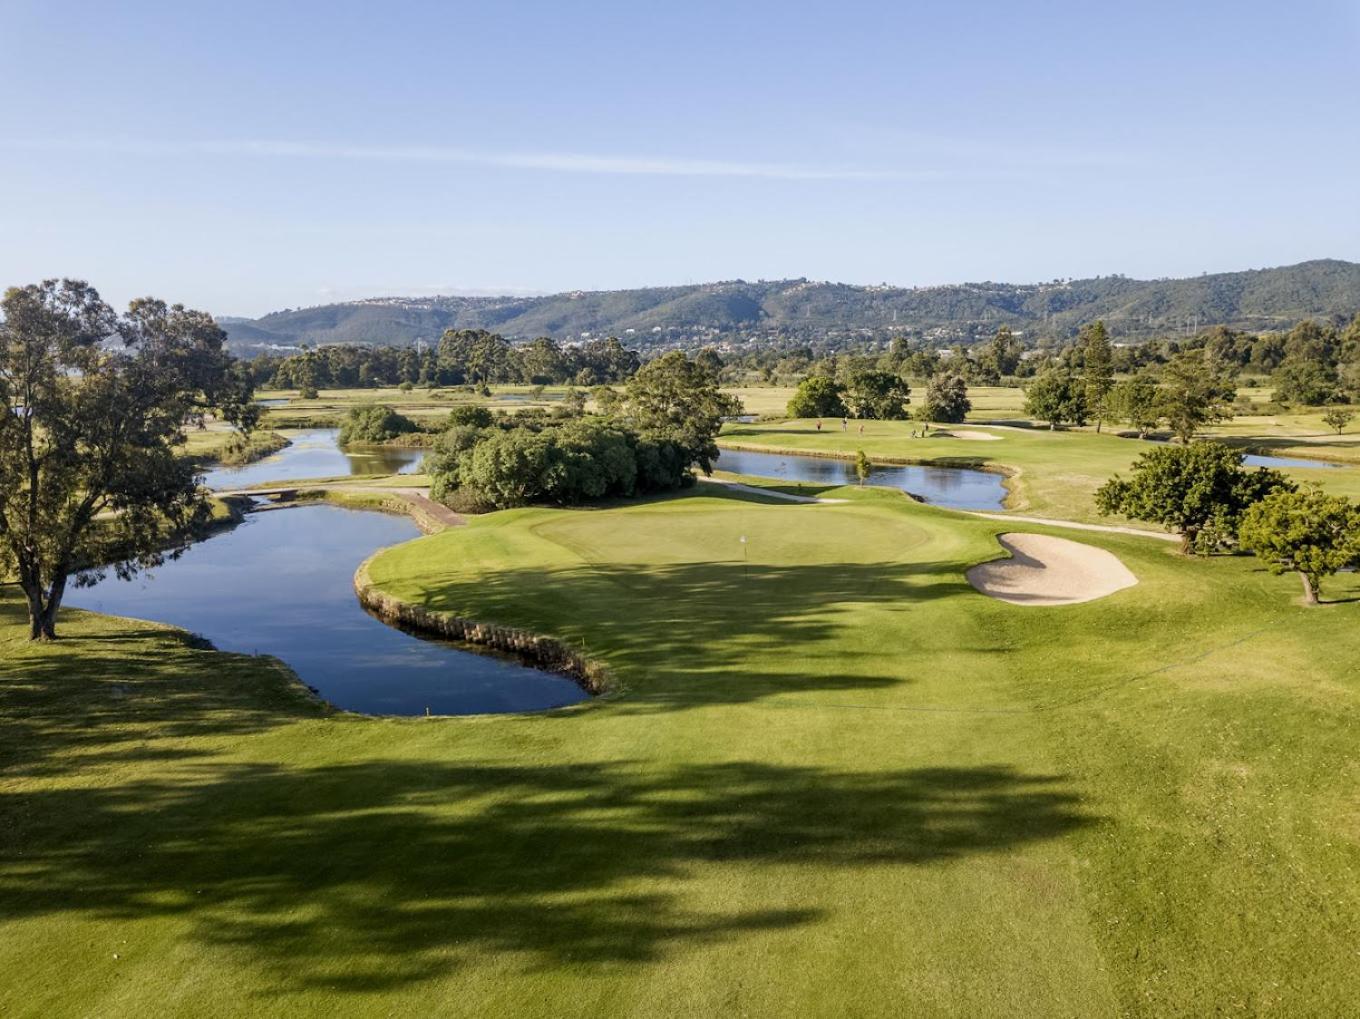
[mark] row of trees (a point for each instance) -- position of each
(1202, 492)
(1190, 391)
(468, 356)
(1313, 364)
(870, 394)
(988, 364)
(864, 393)
(661, 429)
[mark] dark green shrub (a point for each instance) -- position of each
(374, 422)
(471, 414)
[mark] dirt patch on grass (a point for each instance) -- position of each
(1050, 571)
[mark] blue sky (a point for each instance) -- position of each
(245, 157)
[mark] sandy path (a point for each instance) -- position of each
(786, 496)
(1043, 570)
(1073, 525)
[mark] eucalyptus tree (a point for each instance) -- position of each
(1195, 392)
(946, 400)
(93, 409)
(677, 400)
(1136, 402)
(1057, 397)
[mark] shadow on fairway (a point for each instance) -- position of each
(369, 876)
(108, 696)
(1299, 446)
(687, 632)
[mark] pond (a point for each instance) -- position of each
(1253, 460)
(1260, 460)
(953, 487)
(282, 584)
(315, 453)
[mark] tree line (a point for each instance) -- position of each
(462, 357)
(1185, 387)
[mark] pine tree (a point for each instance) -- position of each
(1098, 369)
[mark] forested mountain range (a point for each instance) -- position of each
(656, 317)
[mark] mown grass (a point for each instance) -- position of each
(836, 781)
(425, 406)
(1056, 472)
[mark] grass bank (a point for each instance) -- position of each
(219, 446)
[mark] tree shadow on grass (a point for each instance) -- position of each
(370, 876)
(113, 691)
(688, 632)
(1299, 447)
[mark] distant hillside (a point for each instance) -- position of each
(800, 309)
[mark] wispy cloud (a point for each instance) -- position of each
(555, 162)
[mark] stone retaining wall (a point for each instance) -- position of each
(534, 649)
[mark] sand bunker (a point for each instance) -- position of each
(966, 434)
(1050, 571)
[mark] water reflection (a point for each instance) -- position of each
(315, 454)
(1253, 460)
(953, 487)
(282, 584)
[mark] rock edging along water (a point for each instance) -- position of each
(535, 649)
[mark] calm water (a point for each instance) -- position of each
(954, 487)
(282, 584)
(1252, 460)
(316, 454)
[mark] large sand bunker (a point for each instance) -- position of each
(967, 434)
(1050, 571)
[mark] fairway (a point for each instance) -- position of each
(830, 778)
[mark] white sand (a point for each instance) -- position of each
(966, 434)
(1050, 571)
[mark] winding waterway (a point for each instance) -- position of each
(314, 453)
(282, 584)
(953, 487)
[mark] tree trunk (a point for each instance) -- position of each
(1188, 541)
(42, 612)
(1099, 422)
(1310, 591)
(33, 595)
